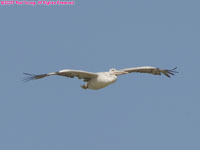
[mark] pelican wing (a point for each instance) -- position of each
(151, 70)
(86, 76)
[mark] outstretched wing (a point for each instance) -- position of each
(86, 76)
(151, 70)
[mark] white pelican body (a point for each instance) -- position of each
(103, 79)
(100, 80)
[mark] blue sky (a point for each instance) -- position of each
(139, 111)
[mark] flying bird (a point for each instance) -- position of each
(100, 80)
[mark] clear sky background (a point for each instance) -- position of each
(139, 111)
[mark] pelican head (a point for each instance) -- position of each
(116, 72)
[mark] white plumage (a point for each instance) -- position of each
(100, 80)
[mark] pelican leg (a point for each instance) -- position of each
(85, 86)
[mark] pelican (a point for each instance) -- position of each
(100, 80)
